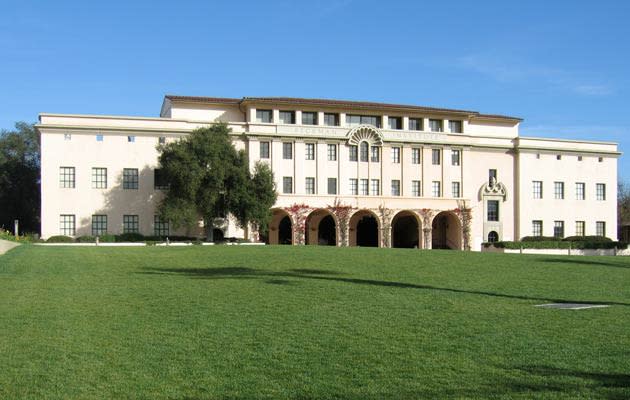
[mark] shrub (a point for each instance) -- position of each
(60, 239)
(558, 244)
(596, 239)
(539, 239)
(130, 237)
(86, 239)
(107, 238)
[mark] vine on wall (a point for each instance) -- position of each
(386, 224)
(427, 215)
(299, 212)
(342, 212)
(464, 214)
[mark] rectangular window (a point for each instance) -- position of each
(493, 210)
(67, 136)
(396, 155)
(287, 184)
(287, 117)
(363, 189)
(332, 152)
(436, 190)
(415, 156)
(309, 118)
(354, 153)
(456, 189)
(159, 180)
(287, 151)
(394, 122)
(354, 186)
(580, 228)
(353, 120)
(435, 156)
(537, 228)
(99, 138)
(600, 228)
(67, 224)
(265, 116)
(375, 154)
(160, 227)
(579, 191)
(416, 189)
(131, 224)
(131, 139)
(331, 119)
(130, 178)
(435, 125)
(66, 177)
(162, 140)
(99, 178)
(264, 149)
(600, 191)
(455, 126)
(558, 190)
(364, 149)
(537, 189)
(310, 151)
(99, 225)
(455, 157)
(332, 185)
(395, 187)
(492, 173)
(375, 190)
(558, 229)
(415, 124)
(310, 185)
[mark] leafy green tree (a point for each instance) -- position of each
(623, 207)
(208, 179)
(20, 177)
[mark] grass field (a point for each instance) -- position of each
(309, 322)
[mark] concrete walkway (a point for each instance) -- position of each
(5, 246)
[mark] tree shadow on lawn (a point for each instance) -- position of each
(587, 262)
(305, 273)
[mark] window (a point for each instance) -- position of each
(435, 125)
(492, 173)
(67, 136)
(600, 228)
(66, 177)
(354, 186)
(395, 187)
(580, 228)
(287, 184)
(600, 191)
(162, 140)
(537, 228)
(130, 178)
(558, 157)
(265, 116)
(160, 227)
(396, 155)
(332, 152)
(376, 187)
(493, 210)
(67, 224)
(264, 149)
(600, 159)
(375, 154)
(331, 119)
(416, 189)
(131, 139)
(287, 151)
(455, 157)
(131, 224)
(579, 158)
(364, 187)
(436, 190)
(493, 237)
(364, 149)
(363, 120)
(310, 185)
(579, 191)
(394, 122)
(99, 178)
(558, 229)
(537, 189)
(538, 156)
(435, 156)
(309, 118)
(99, 138)
(353, 156)
(332, 185)
(415, 156)
(558, 190)
(415, 124)
(99, 225)
(287, 117)
(159, 180)
(455, 126)
(456, 189)
(310, 151)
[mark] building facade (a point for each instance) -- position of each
(347, 173)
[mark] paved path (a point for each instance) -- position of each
(5, 246)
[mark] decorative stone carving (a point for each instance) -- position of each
(367, 133)
(493, 188)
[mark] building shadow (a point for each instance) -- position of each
(615, 264)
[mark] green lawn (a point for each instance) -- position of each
(309, 322)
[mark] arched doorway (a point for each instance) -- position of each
(447, 231)
(406, 230)
(493, 237)
(217, 235)
(321, 228)
(280, 228)
(364, 229)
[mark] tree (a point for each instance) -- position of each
(623, 206)
(20, 177)
(208, 179)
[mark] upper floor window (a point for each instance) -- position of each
(493, 210)
(396, 155)
(435, 156)
(99, 178)
(558, 190)
(435, 125)
(376, 187)
(331, 119)
(363, 120)
(364, 149)
(579, 191)
(455, 126)
(456, 189)
(492, 174)
(375, 154)
(310, 185)
(395, 187)
(66, 177)
(332, 152)
(363, 188)
(287, 184)
(159, 180)
(579, 158)
(67, 136)
(287, 151)
(353, 153)
(310, 151)
(537, 189)
(558, 157)
(354, 186)
(264, 149)
(436, 190)
(99, 138)
(130, 178)
(265, 116)
(600, 191)
(415, 156)
(394, 122)
(416, 189)
(131, 139)
(600, 228)
(600, 159)
(415, 124)
(162, 140)
(455, 157)
(332, 185)
(309, 118)
(286, 117)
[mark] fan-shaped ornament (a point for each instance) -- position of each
(367, 133)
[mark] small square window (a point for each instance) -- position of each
(600, 159)
(287, 117)
(455, 126)
(331, 119)
(394, 122)
(415, 124)
(264, 116)
(558, 157)
(99, 138)
(67, 136)
(162, 140)
(579, 158)
(131, 139)
(309, 118)
(538, 156)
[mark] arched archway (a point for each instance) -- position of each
(364, 229)
(406, 230)
(321, 228)
(447, 231)
(280, 228)
(493, 236)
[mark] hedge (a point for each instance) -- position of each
(558, 244)
(60, 239)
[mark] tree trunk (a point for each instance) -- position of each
(209, 225)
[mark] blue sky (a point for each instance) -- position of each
(563, 66)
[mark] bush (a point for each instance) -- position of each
(86, 239)
(107, 238)
(595, 239)
(60, 239)
(558, 244)
(539, 239)
(130, 237)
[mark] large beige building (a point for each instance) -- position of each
(347, 173)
